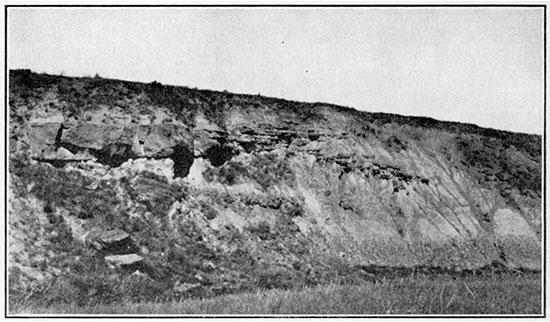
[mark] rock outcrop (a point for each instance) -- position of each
(233, 187)
(112, 145)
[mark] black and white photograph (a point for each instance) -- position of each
(257, 160)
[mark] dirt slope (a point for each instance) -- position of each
(220, 192)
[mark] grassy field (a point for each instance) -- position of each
(491, 294)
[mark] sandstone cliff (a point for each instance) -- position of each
(219, 192)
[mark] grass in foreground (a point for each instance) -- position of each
(499, 294)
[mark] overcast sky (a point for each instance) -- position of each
(475, 65)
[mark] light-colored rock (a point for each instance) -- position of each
(122, 261)
(32, 273)
(64, 154)
(512, 224)
(185, 287)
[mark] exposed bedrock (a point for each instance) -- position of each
(112, 145)
(375, 203)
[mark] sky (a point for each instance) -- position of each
(475, 65)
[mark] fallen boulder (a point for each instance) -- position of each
(124, 261)
(186, 287)
(114, 242)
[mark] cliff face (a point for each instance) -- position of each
(219, 190)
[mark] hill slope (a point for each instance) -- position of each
(146, 190)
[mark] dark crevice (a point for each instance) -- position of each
(183, 160)
(314, 137)
(58, 136)
(501, 253)
(114, 154)
(248, 146)
(219, 154)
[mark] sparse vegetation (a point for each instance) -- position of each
(265, 169)
(230, 173)
(268, 169)
(500, 165)
(67, 189)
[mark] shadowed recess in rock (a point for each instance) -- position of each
(219, 154)
(183, 160)
(115, 154)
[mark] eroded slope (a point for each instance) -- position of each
(168, 191)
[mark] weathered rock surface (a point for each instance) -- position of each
(153, 141)
(111, 144)
(42, 138)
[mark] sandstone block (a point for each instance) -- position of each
(112, 241)
(123, 261)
